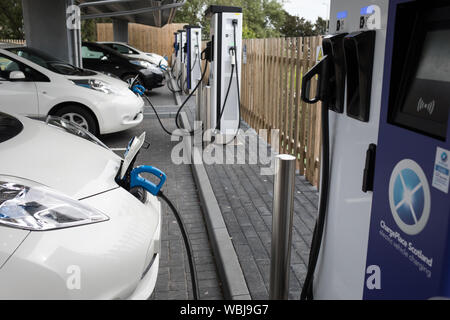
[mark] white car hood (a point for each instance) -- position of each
(59, 160)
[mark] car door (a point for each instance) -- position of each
(95, 58)
(17, 96)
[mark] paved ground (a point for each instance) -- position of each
(174, 277)
(245, 198)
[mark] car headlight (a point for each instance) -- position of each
(95, 85)
(144, 64)
(28, 205)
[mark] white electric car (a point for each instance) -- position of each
(132, 52)
(67, 229)
(37, 85)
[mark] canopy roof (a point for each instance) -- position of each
(155, 13)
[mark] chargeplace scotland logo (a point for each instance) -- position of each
(409, 197)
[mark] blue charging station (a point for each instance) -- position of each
(409, 228)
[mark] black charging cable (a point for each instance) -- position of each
(316, 243)
(226, 96)
(189, 133)
(187, 244)
(157, 115)
(125, 183)
(189, 97)
(235, 22)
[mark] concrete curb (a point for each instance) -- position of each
(230, 271)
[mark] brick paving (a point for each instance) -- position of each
(174, 274)
(245, 198)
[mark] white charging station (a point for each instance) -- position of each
(340, 272)
(193, 56)
(178, 53)
(225, 68)
(182, 45)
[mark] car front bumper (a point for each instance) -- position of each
(116, 259)
(152, 80)
(122, 113)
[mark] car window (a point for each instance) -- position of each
(3, 64)
(91, 53)
(7, 65)
(9, 127)
(50, 63)
(123, 49)
(32, 57)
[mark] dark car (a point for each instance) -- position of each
(103, 59)
(51, 63)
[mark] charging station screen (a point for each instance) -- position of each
(426, 104)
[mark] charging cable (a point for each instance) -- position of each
(133, 180)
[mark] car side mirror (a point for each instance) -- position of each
(16, 75)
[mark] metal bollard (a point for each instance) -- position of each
(283, 209)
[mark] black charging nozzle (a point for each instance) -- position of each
(322, 71)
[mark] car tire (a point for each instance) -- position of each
(80, 116)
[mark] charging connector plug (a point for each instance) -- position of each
(233, 55)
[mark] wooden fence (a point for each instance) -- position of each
(271, 88)
(145, 38)
(13, 41)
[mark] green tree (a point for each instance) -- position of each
(294, 26)
(89, 28)
(11, 19)
(320, 27)
(262, 18)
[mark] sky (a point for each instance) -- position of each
(308, 9)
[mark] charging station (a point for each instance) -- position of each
(183, 50)
(176, 52)
(193, 55)
(409, 228)
(384, 228)
(225, 68)
(179, 52)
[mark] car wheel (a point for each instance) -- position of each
(79, 116)
(129, 78)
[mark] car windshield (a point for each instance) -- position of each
(49, 62)
(121, 48)
(98, 51)
(9, 127)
